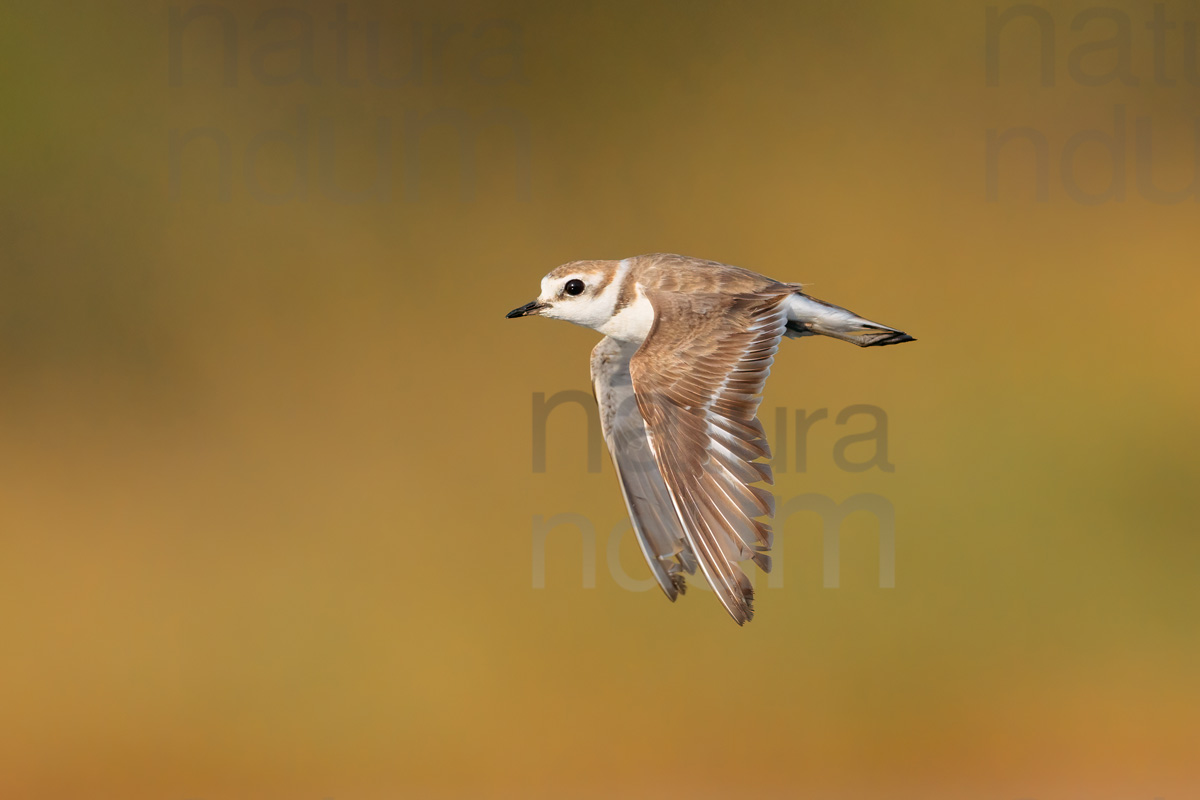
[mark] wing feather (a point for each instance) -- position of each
(698, 378)
(655, 522)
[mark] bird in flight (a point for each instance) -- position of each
(678, 378)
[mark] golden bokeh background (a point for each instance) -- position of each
(268, 497)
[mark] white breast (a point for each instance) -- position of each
(632, 323)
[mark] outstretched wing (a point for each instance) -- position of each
(650, 509)
(697, 379)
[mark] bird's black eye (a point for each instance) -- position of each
(574, 286)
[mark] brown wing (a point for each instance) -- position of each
(697, 378)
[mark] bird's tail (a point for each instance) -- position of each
(808, 316)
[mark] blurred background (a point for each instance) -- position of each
(269, 506)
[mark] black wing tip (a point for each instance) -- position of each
(743, 612)
(880, 340)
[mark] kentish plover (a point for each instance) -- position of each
(678, 376)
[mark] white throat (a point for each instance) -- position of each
(633, 322)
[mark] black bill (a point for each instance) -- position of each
(526, 310)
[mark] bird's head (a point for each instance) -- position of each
(582, 292)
